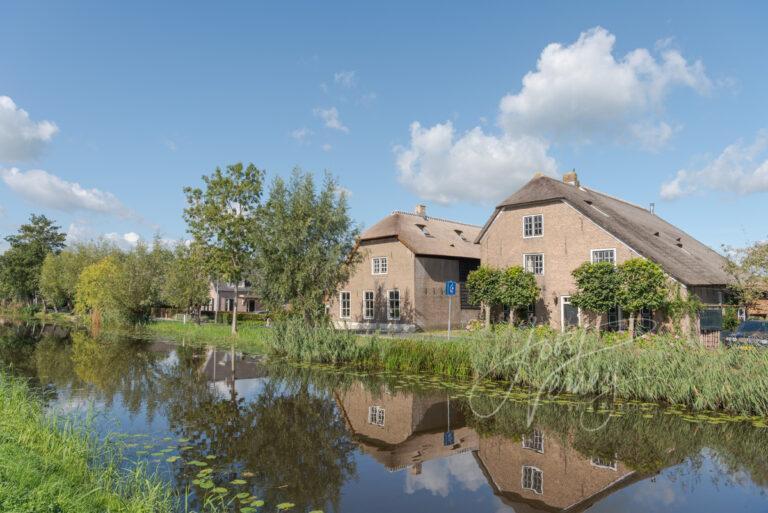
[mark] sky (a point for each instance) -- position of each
(108, 109)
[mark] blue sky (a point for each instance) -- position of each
(107, 109)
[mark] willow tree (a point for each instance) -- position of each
(306, 245)
(222, 219)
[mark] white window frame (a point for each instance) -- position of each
(377, 261)
(376, 415)
(525, 266)
(341, 304)
(522, 479)
(562, 312)
(593, 251)
(529, 442)
(389, 308)
(533, 226)
(373, 304)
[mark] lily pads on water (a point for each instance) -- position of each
(197, 463)
(238, 482)
(285, 505)
(172, 459)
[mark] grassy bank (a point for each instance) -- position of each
(250, 337)
(658, 369)
(50, 465)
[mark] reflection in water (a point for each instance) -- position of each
(323, 439)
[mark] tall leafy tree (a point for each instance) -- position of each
(598, 287)
(483, 285)
(222, 219)
(517, 289)
(60, 272)
(306, 245)
(642, 285)
(187, 283)
(20, 265)
(749, 268)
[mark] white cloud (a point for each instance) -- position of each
(48, 190)
(346, 79)
(581, 91)
(126, 240)
(21, 138)
(301, 134)
(326, 147)
(171, 144)
(437, 475)
(740, 169)
(476, 167)
(331, 118)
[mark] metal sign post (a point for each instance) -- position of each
(450, 291)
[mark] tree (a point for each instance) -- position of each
(187, 284)
(60, 272)
(642, 285)
(222, 219)
(92, 294)
(20, 265)
(483, 285)
(749, 270)
(597, 288)
(517, 289)
(306, 245)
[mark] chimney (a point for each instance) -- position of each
(652, 208)
(420, 210)
(571, 178)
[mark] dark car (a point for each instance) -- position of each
(753, 333)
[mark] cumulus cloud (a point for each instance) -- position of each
(346, 79)
(577, 93)
(581, 91)
(331, 118)
(125, 240)
(301, 134)
(740, 169)
(21, 138)
(438, 476)
(48, 190)
(474, 166)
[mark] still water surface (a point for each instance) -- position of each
(223, 423)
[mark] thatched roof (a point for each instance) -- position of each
(680, 255)
(426, 235)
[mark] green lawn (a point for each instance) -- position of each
(250, 336)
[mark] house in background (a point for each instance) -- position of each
(399, 285)
(550, 227)
(222, 295)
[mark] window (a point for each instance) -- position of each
(229, 304)
(613, 322)
(393, 305)
(424, 230)
(376, 415)
(345, 304)
(603, 255)
(570, 315)
(534, 442)
(533, 479)
(368, 304)
(534, 263)
(533, 226)
(604, 463)
(251, 305)
(379, 265)
(461, 235)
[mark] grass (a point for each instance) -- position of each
(250, 337)
(48, 464)
(660, 369)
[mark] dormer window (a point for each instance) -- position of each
(424, 230)
(533, 226)
(461, 235)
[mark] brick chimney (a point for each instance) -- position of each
(420, 210)
(571, 178)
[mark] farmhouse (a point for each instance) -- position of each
(550, 227)
(399, 285)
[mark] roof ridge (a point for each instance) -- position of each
(590, 189)
(434, 218)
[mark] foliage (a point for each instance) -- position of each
(597, 287)
(483, 285)
(92, 292)
(222, 219)
(517, 289)
(749, 269)
(60, 272)
(57, 466)
(643, 285)
(730, 318)
(305, 246)
(678, 307)
(21, 263)
(186, 284)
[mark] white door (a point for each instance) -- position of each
(569, 314)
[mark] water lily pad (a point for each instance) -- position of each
(173, 459)
(220, 490)
(285, 505)
(238, 481)
(210, 457)
(258, 503)
(198, 463)
(204, 472)
(247, 509)
(243, 495)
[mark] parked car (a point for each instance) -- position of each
(754, 333)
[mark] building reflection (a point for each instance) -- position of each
(538, 472)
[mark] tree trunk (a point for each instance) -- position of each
(234, 312)
(631, 325)
(598, 320)
(216, 304)
(511, 316)
(487, 308)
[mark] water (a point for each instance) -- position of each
(221, 424)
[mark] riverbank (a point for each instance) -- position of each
(48, 465)
(251, 337)
(658, 369)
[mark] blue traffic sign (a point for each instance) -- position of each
(448, 438)
(450, 288)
